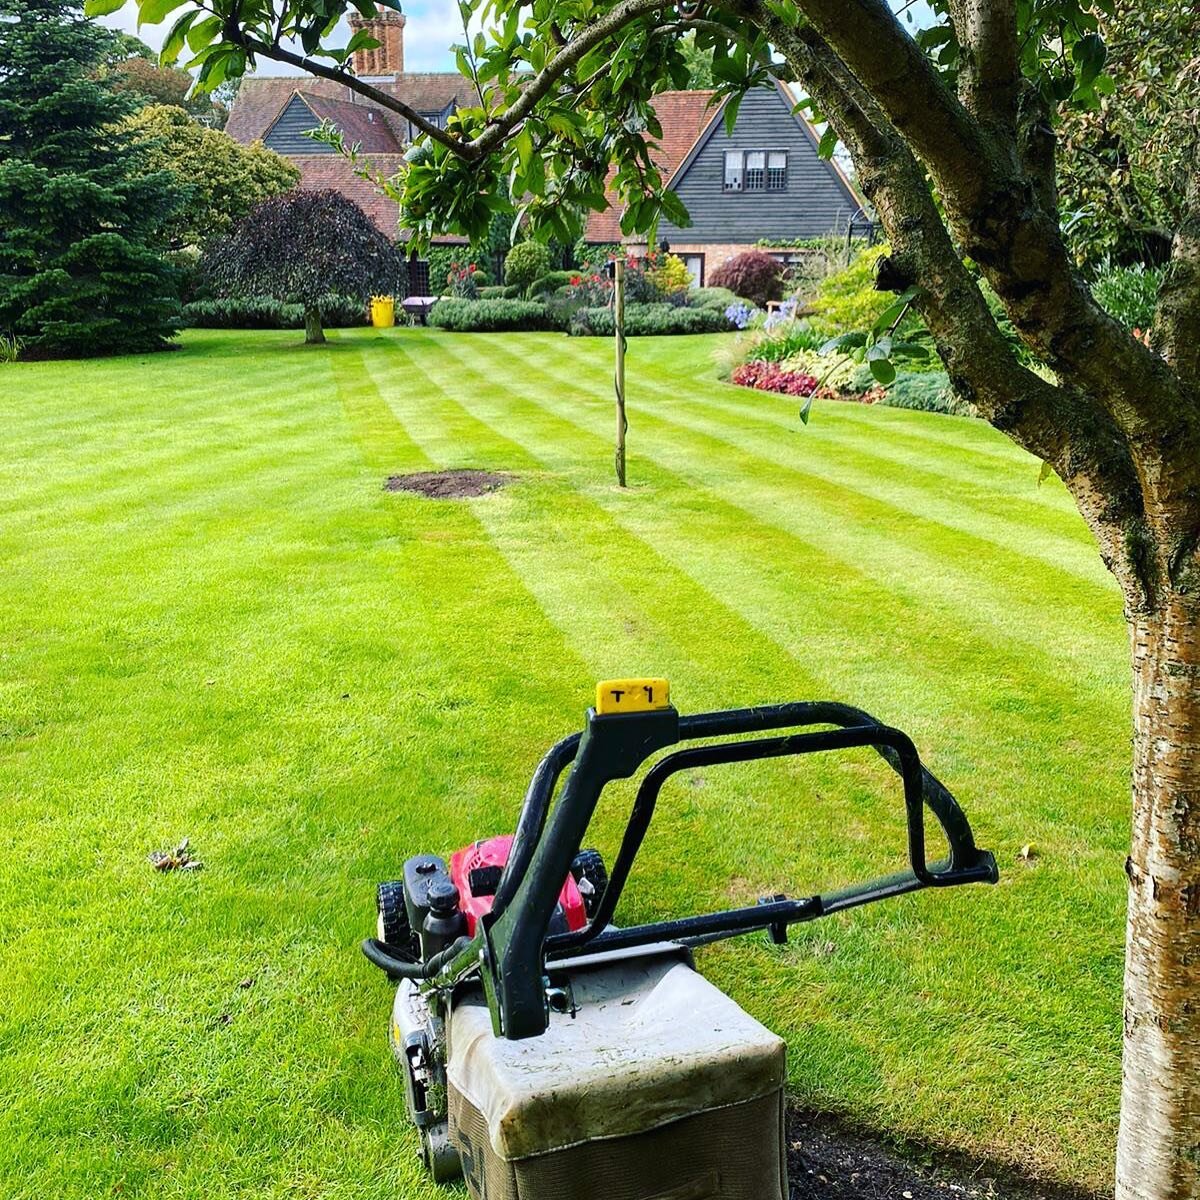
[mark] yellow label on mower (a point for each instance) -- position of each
(632, 695)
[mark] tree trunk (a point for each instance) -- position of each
(1158, 1151)
(314, 335)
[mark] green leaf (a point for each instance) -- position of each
(845, 341)
(893, 310)
(805, 410)
(882, 370)
(153, 12)
(1046, 471)
(173, 43)
(731, 113)
(828, 143)
(100, 8)
(202, 33)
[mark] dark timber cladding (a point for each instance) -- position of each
(286, 136)
(815, 200)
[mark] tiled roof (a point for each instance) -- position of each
(684, 116)
(363, 124)
(261, 98)
(321, 171)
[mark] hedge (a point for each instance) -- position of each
(552, 281)
(928, 391)
(264, 312)
(643, 320)
(488, 316)
(712, 297)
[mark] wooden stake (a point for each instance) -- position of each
(619, 373)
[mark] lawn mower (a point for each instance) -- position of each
(547, 1052)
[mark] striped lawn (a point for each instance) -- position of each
(215, 623)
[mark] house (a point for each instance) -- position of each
(764, 182)
(280, 110)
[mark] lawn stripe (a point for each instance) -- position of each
(938, 645)
(855, 529)
(934, 496)
(620, 595)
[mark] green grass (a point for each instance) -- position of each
(215, 623)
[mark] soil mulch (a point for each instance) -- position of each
(448, 485)
(827, 1161)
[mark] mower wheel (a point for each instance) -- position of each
(591, 876)
(392, 922)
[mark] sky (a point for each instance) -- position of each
(431, 28)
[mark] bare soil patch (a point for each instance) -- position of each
(827, 1161)
(448, 485)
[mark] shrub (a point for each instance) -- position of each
(1129, 293)
(668, 274)
(781, 341)
(847, 300)
(642, 320)
(712, 297)
(771, 377)
(488, 316)
(754, 276)
(243, 312)
(927, 391)
(492, 293)
(526, 263)
(10, 347)
(552, 281)
(835, 372)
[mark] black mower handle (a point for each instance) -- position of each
(515, 937)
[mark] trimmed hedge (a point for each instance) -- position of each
(488, 316)
(644, 320)
(552, 281)
(712, 297)
(263, 312)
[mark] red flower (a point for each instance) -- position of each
(471, 269)
(576, 280)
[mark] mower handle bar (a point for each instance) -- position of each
(514, 943)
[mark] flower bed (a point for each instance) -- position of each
(771, 377)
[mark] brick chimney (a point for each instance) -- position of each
(387, 28)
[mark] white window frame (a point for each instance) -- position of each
(782, 185)
(740, 184)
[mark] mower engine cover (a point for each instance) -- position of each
(476, 869)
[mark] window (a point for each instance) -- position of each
(756, 162)
(755, 170)
(695, 266)
(733, 170)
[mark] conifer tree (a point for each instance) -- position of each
(82, 270)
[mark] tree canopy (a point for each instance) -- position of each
(82, 210)
(301, 246)
(225, 179)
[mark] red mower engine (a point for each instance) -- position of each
(475, 871)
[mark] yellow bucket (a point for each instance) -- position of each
(383, 311)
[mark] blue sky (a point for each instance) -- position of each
(432, 26)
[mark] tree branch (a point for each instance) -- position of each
(987, 32)
(1177, 321)
(592, 36)
(239, 37)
